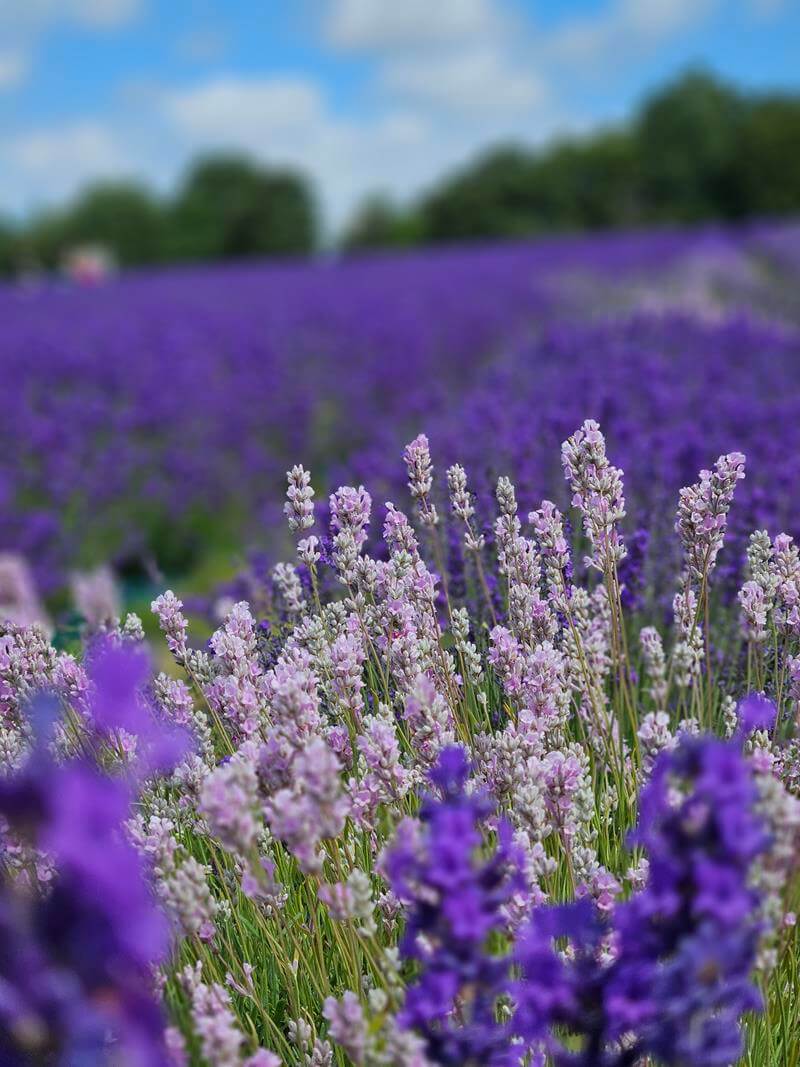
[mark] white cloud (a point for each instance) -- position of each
(387, 24)
(245, 109)
(24, 22)
(13, 69)
(624, 27)
(476, 82)
(47, 166)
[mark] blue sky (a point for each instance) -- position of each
(361, 94)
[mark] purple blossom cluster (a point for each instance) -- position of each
(81, 930)
(666, 975)
(456, 902)
(106, 460)
(405, 811)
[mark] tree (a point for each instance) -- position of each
(489, 199)
(688, 136)
(229, 207)
(123, 216)
(379, 223)
(9, 251)
(768, 160)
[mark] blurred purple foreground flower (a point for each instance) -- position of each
(667, 975)
(78, 954)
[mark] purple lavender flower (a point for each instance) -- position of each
(683, 946)
(117, 707)
(756, 712)
(455, 902)
(77, 961)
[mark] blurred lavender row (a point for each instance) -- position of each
(153, 415)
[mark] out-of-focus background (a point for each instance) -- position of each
(238, 235)
(166, 132)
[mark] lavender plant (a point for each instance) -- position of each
(149, 421)
(446, 800)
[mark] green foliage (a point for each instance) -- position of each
(769, 156)
(379, 223)
(8, 247)
(698, 149)
(122, 216)
(230, 207)
(687, 139)
(226, 207)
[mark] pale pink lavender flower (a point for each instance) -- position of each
(263, 1058)
(214, 1020)
(596, 492)
(654, 736)
(429, 719)
(308, 551)
(350, 900)
(350, 511)
(289, 587)
(655, 664)
(313, 809)
(754, 607)
(398, 532)
(237, 691)
(299, 506)
(386, 780)
(347, 655)
(229, 801)
(176, 1047)
(703, 514)
(168, 610)
(181, 881)
(347, 1026)
(460, 499)
(786, 559)
(290, 691)
(417, 457)
(535, 678)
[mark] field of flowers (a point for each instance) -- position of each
(493, 754)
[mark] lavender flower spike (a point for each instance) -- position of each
(596, 492)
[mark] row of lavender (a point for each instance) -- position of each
(424, 818)
(155, 416)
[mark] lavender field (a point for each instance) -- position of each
(464, 725)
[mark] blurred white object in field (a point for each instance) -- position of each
(96, 596)
(19, 600)
(89, 264)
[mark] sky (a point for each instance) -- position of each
(362, 95)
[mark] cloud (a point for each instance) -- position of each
(251, 110)
(477, 82)
(24, 22)
(50, 165)
(13, 69)
(369, 25)
(624, 27)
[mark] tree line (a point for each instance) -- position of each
(226, 207)
(696, 150)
